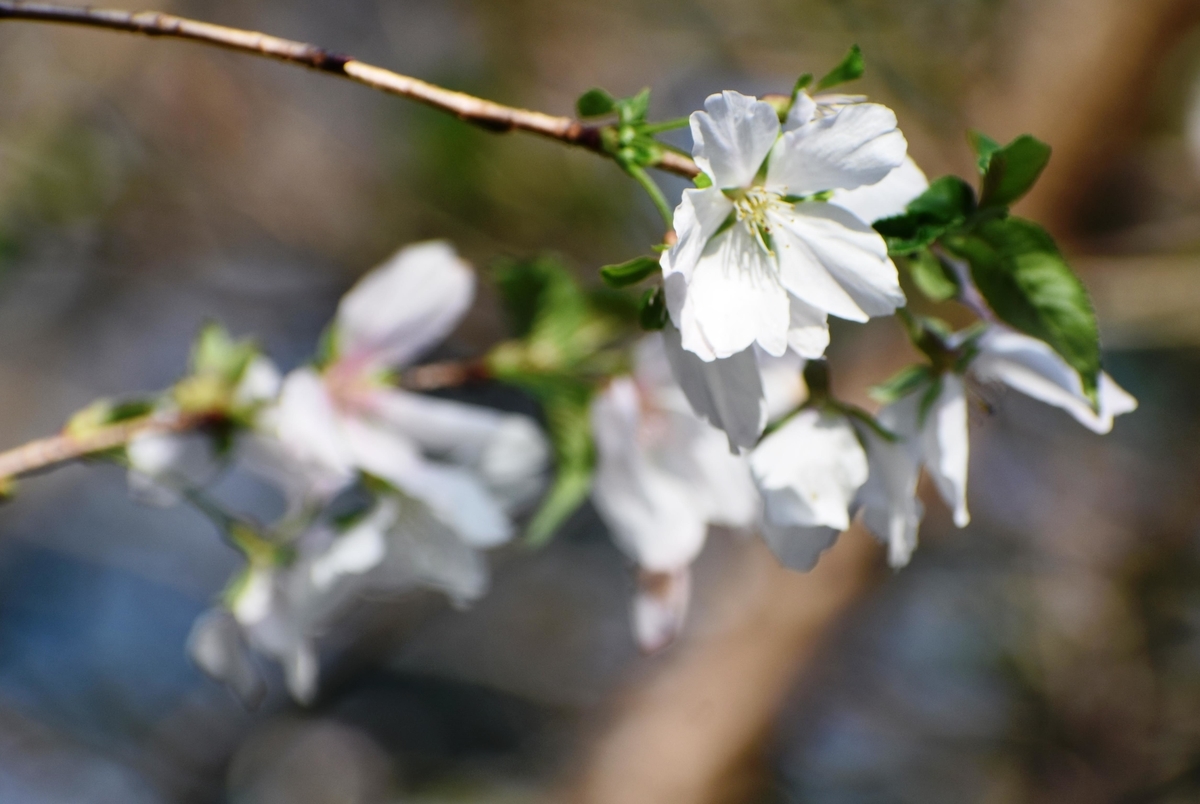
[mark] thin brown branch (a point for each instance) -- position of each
(480, 112)
(47, 453)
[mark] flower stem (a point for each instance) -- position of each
(652, 189)
(666, 125)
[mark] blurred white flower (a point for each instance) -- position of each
(758, 259)
(935, 438)
(662, 477)
(808, 472)
(469, 465)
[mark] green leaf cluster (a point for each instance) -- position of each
(566, 343)
(1014, 262)
(216, 365)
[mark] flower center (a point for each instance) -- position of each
(751, 207)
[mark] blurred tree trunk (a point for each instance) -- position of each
(1072, 72)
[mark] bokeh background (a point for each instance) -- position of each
(1049, 652)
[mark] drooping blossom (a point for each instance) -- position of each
(663, 476)
(932, 428)
(808, 471)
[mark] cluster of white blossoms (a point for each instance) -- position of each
(776, 237)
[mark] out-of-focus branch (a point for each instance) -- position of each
(47, 453)
(480, 112)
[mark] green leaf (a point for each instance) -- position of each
(631, 111)
(930, 276)
(702, 181)
(539, 293)
(569, 425)
(983, 146)
(595, 103)
(1020, 272)
(628, 273)
(849, 69)
(802, 84)
(903, 383)
(215, 353)
(653, 314)
(1013, 170)
(945, 205)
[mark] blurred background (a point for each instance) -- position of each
(1049, 652)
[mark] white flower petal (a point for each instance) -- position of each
(944, 444)
(699, 214)
(163, 465)
(300, 668)
(885, 198)
(660, 608)
(509, 451)
(809, 471)
(798, 548)
(405, 306)
(857, 145)
(260, 383)
(783, 382)
(307, 424)
(735, 298)
(454, 495)
(890, 506)
(835, 262)
(803, 110)
(1032, 367)
(808, 335)
(358, 550)
(217, 646)
(727, 393)
(655, 516)
(732, 137)
(423, 551)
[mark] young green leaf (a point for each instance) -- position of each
(1013, 170)
(653, 314)
(628, 273)
(930, 276)
(903, 383)
(569, 425)
(631, 111)
(946, 204)
(849, 69)
(802, 83)
(1025, 280)
(595, 103)
(983, 146)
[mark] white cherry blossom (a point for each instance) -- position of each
(808, 471)
(757, 259)
(662, 477)
(469, 465)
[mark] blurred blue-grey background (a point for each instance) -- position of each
(1049, 652)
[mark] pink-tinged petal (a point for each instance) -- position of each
(809, 471)
(736, 299)
(885, 198)
(808, 334)
(697, 218)
(660, 608)
(732, 137)
(308, 425)
(798, 548)
(945, 447)
(835, 262)
(405, 306)
(859, 144)
(726, 393)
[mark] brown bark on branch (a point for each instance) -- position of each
(480, 112)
